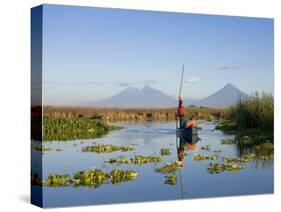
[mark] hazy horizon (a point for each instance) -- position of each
(94, 53)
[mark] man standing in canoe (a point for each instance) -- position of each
(180, 113)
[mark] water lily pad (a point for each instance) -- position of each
(165, 151)
(171, 179)
(170, 167)
(205, 157)
(216, 168)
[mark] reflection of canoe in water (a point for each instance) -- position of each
(187, 132)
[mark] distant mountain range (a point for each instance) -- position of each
(134, 97)
(151, 97)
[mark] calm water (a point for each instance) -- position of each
(193, 181)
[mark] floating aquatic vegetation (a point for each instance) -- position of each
(90, 178)
(236, 160)
(74, 128)
(137, 159)
(217, 151)
(228, 142)
(165, 151)
(205, 157)
(106, 148)
(206, 148)
(216, 168)
(42, 148)
(118, 176)
(170, 167)
(244, 159)
(119, 161)
(56, 180)
(171, 179)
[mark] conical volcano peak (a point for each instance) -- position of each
(226, 96)
(130, 89)
(229, 85)
(147, 87)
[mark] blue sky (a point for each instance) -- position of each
(94, 53)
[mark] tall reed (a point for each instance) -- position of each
(255, 111)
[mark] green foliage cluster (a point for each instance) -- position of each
(216, 168)
(170, 167)
(171, 179)
(137, 159)
(118, 176)
(90, 178)
(57, 180)
(236, 160)
(73, 128)
(165, 151)
(205, 157)
(42, 148)
(106, 148)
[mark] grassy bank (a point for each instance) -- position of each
(73, 128)
(252, 115)
(251, 120)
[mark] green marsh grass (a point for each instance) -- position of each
(73, 128)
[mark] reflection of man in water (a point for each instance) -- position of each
(186, 144)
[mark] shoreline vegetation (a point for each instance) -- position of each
(133, 114)
(251, 121)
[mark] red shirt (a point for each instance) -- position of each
(180, 110)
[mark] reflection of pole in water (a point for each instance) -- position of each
(181, 184)
(177, 146)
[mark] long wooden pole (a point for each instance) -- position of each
(182, 72)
